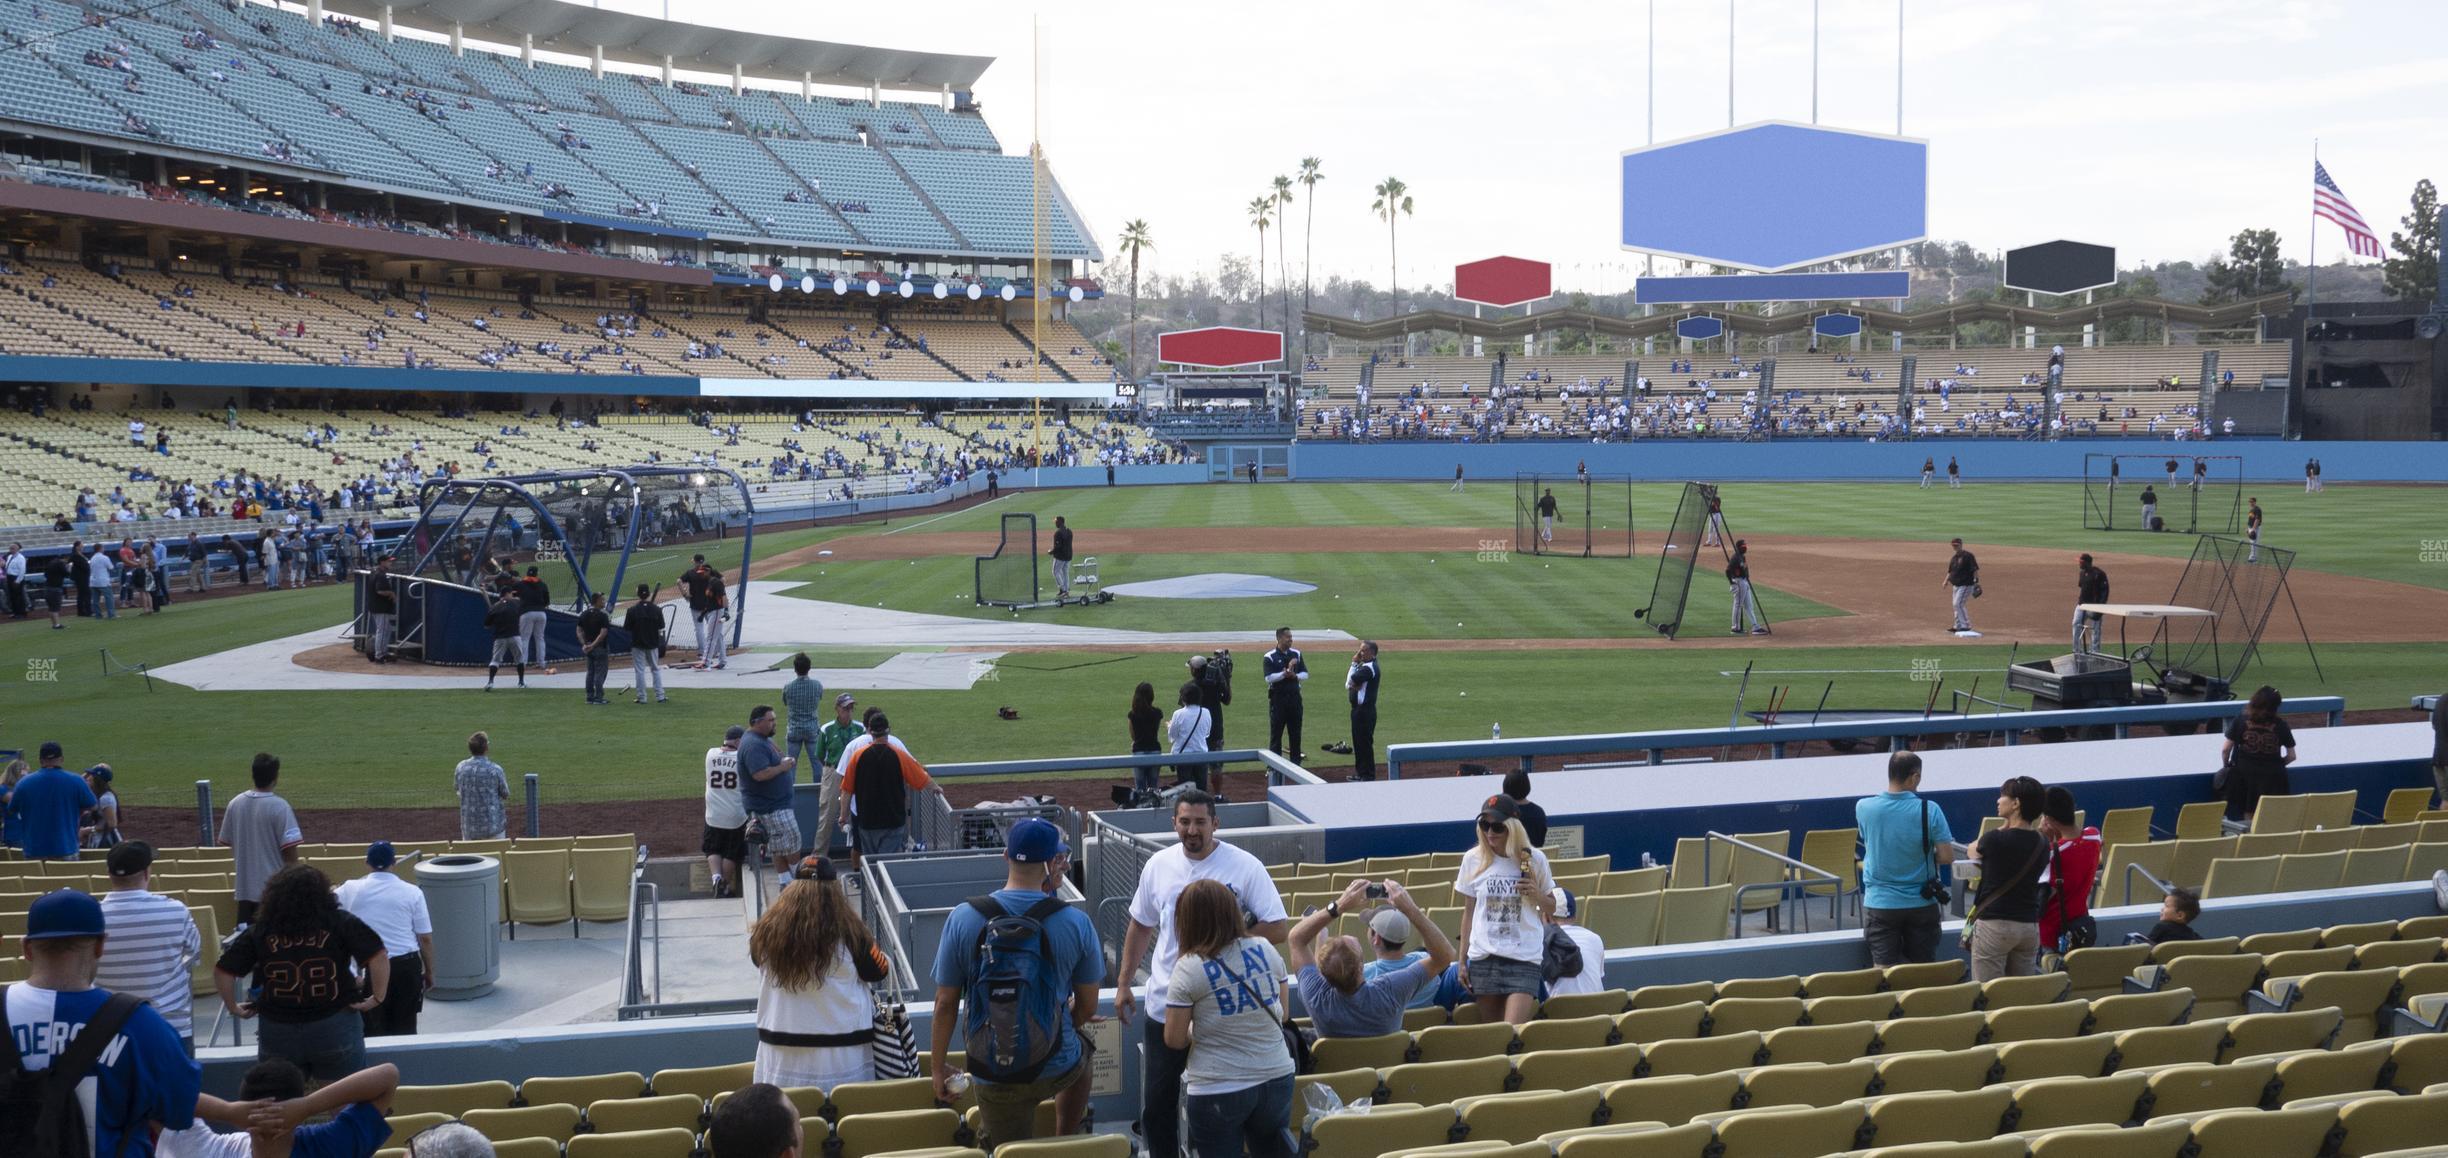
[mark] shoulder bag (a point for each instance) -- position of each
(2072, 932)
(1296, 1039)
(1934, 890)
(1972, 918)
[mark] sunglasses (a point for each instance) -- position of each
(1491, 826)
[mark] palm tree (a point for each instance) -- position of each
(1283, 283)
(1393, 199)
(1134, 239)
(1310, 175)
(1262, 212)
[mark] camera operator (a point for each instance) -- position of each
(1905, 848)
(1213, 675)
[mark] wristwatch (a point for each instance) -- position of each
(1334, 910)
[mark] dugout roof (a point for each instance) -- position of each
(578, 29)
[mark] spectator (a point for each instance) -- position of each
(2074, 861)
(2005, 916)
(803, 704)
(99, 571)
(46, 807)
(58, 1013)
(154, 943)
(2253, 761)
(1533, 817)
(395, 910)
(9, 776)
(765, 791)
(273, 1108)
(1905, 844)
(301, 955)
(261, 831)
(981, 944)
(815, 1016)
(1389, 933)
(101, 822)
(1213, 677)
(1592, 977)
(484, 793)
(835, 739)
(1342, 997)
(2176, 914)
(878, 777)
(1504, 885)
(1196, 855)
(2439, 748)
(1188, 732)
(595, 643)
(725, 840)
(756, 1122)
(1225, 1008)
(644, 623)
(1144, 720)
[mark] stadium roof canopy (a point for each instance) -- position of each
(578, 29)
(1798, 320)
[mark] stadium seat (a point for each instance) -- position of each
(1672, 1098)
(703, 1081)
(2054, 1102)
(208, 926)
(1922, 975)
(1432, 1083)
(661, 1112)
(2329, 810)
(1810, 1083)
(866, 1135)
(1457, 1042)
(2236, 876)
(1781, 986)
(599, 882)
(1632, 881)
(2193, 1043)
(2037, 1022)
(878, 1097)
(1843, 983)
(2218, 981)
(2153, 1140)
(2081, 1057)
(2122, 1011)
(1524, 1116)
(1753, 1014)
(1347, 1085)
(2404, 804)
(1076, 1146)
(2100, 971)
(526, 1148)
(2358, 996)
(1549, 1033)
(1789, 1132)
(537, 889)
(1343, 1053)
(1689, 1140)
(1830, 1044)
(1626, 921)
(2390, 835)
(2399, 954)
(582, 1090)
(2125, 826)
(2359, 934)
(2319, 840)
(1936, 1071)
(2301, 1133)
(1382, 1129)
(453, 1100)
(1697, 866)
(1842, 1008)
(2261, 844)
(556, 1122)
(1705, 1055)
(1939, 1115)
(1488, 1149)
(2379, 1125)
(1752, 869)
(1659, 996)
(2200, 819)
(410, 1124)
(1694, 915)
(2307, 872)
(1835, 851)
(2191, 1090)
(666, 1143)
(2304, 962)
(1933, 1032)
(2280, 814)
(2006, 992)
(2349, 1069)
(2421, 1061)
(1571, 1005)
(2118, 886)
(2264, 1033)
(1565, 1069)
(1939, 1000)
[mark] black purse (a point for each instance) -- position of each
(2072, 932)
(1934, 890)
(1296, 1039)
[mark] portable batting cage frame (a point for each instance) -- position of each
(1600, 506)
(1670, 593)
(2211, 503)
(1012, 576)
(2241, 581)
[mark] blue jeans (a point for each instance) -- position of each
(797, 742)
(880, 841)
(106, 601)
(1256, 1121)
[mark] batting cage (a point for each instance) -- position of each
(1011, 577)
(1677, 557)
(2193, 494)
(2241, 582)
(1573, 514)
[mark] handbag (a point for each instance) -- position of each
(2072, 932)
(1560, 956)
(1972, 918)
(1296, 1040)
(893, 1049)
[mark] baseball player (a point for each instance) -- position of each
(1963, 584)
(1929, 472)
(1457, 487)
(2112, 481)
(1738, 580)
(2311, 475)
(2171, 472)
(534, 597)
(2252, 529)
(1547, 514)
(1954, 474)
(2090, 586)
(1716, 528)
(2201, 470)
(2150, 508)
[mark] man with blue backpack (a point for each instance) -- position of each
(1016, 974)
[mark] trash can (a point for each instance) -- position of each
(463, 894)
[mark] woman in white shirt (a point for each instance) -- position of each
(1226, 1004)
(1506, 901)
(815, 1016)
(1188, 732)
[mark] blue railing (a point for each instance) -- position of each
(1777, 736)
(1278, 770)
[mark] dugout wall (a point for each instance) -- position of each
(2199, 495)
(1593, 515)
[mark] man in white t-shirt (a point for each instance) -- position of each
(396, 911)
(725, 843)
(1198, 855)
(1592, 977)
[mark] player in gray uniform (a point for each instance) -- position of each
(2252, 529)
(1738, 579)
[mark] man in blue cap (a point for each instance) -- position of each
(395, 910)
(48, 807)
(57, 1017)
(980, 939)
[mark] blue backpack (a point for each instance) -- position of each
(1013, 1015)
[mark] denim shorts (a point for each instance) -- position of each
(328, 1048)
(1498, 976)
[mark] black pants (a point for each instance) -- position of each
(1160, 1088)
(18, 604)
(1283, 715)
(1900, 936)
(599, 666)
(85, 600)
(1364, 742)
(246, 912)
(397, 1015)
(1215, 727)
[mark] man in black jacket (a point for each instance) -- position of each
(533, 597)
(1962, 580)
(1213, 675)
(503, 620)
(1285, 672)
(80, 573)
(2090, 586)
(382, 611)
(1062, 559)
(644, 623)
(1361, 687)
(595, 643)
(704, 585)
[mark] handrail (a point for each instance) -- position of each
(1709, 841)
(1279, 770)
(1777, 736)
(2134, 867)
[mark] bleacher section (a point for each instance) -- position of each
(265, 88)
(2112, 390)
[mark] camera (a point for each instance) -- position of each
(1935, 891)
(1374, 892)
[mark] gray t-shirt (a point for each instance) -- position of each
(1375, 1008)
(257, 826)
(1236, 1013)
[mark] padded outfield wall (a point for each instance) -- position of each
(1983, 459)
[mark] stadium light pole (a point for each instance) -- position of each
(1814, 61)
(1730, 63)
(1899, 68)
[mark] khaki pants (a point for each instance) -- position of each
(1011, 1110)
(2005, 949)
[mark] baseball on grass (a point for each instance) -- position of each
(1466, 693)
(552, 671)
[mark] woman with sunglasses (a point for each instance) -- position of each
(1507, 897)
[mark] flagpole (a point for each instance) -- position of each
(2312, 266)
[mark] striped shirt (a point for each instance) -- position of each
(803, 706)
(153, 949)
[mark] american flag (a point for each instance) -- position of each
(2330, 201)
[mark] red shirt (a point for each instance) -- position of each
(2073, 870)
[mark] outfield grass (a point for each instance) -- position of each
(395, 748)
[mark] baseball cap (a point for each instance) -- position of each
(1198, 661)
(381, 855)
(844, 700)
(50, 750)
(1035, 841)
(1568, 906)
(127, 858)
(100, 772)
(62, 914)
(1391, 927)
(733, 733)
(2086, 560)
(1501, 807)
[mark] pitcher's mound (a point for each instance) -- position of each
(1213, 585)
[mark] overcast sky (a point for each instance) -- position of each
(2158, 127)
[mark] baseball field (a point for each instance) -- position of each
(1475, 632)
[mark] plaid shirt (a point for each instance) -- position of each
(803, 706)
(484, 799)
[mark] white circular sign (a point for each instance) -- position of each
(942, 291)
(976, 291)
(873, 288)
(1077, 293)
(841, 285)
(774, 283)
(908, 290)
(807, 283)
(1009, 293)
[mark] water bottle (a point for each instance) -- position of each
(1648, 861)
(958, 1084)
(1496, 731)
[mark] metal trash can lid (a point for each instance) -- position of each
(456, 866)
